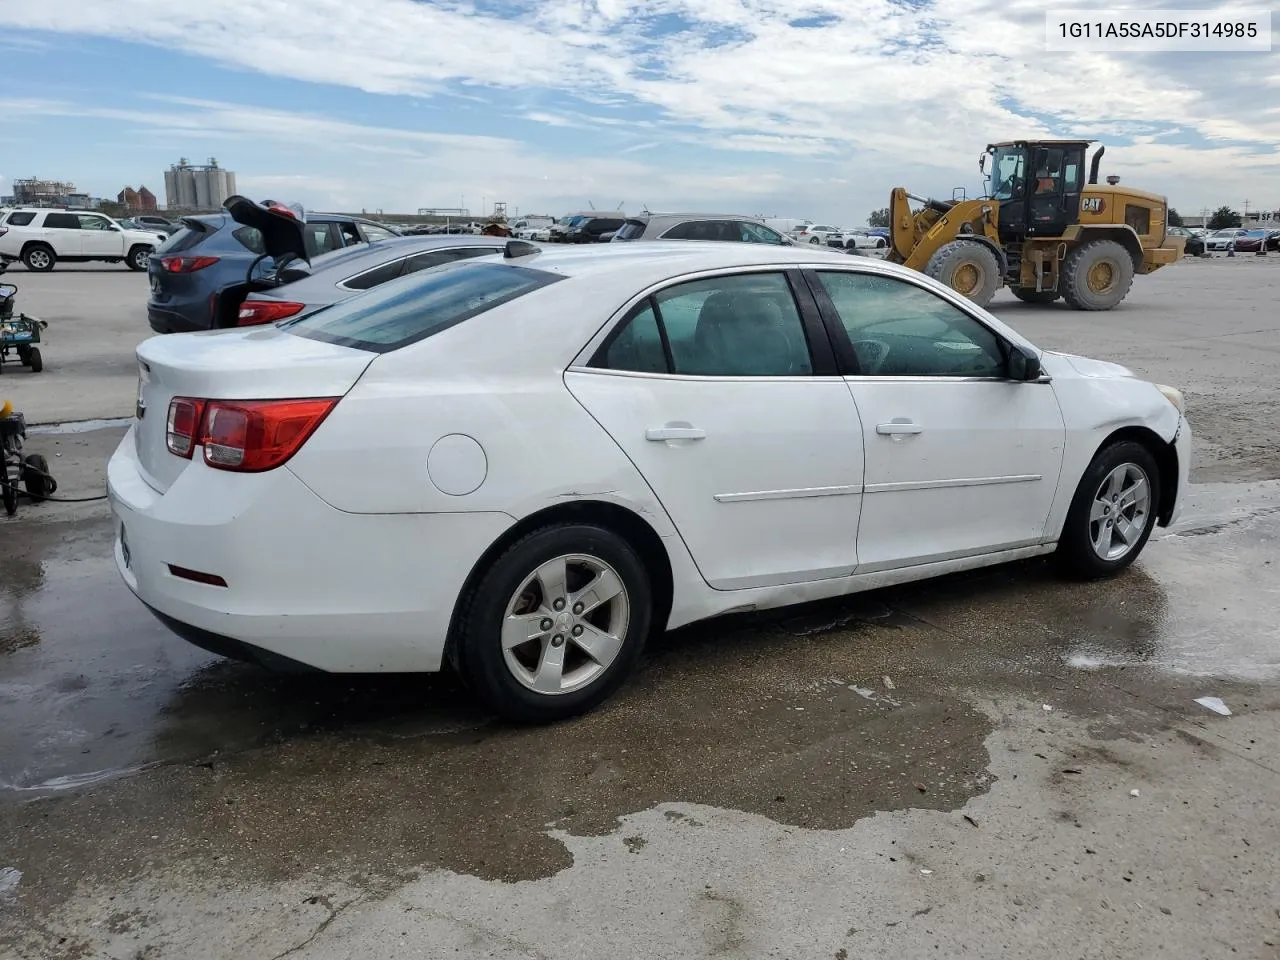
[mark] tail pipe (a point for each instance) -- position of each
(1093, 167)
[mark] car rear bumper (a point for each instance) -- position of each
(163, 320)
(306, 585)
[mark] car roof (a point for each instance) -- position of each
(365, 256)
(654, 215)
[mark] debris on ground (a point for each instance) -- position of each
(888, 684)
(920, 786)
(1047, 708)
(1215, 704)
(925, 871)
(9, 879)
(971, 820)
(863, 691)
(1134, 793)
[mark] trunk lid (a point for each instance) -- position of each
(260, 363)
(281, 227)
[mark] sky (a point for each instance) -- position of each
(790, 108)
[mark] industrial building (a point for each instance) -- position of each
(197, 187)
(36, 192)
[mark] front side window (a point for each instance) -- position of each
(90, 222)
(397, 314)
(742, 325)
(755, 233)
(1008, 173)
(898, 329)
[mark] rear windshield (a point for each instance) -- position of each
(412, 308)
(631, 230)
(184, 239)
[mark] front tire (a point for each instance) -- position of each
(1097, 275)
(1113, 512)
(138, 258)
(969, 268)
(556, 624)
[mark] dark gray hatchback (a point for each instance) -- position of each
(202, 273)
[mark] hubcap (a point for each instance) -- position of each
(566, 624)
(38, 258)
(1101, 276)
(140, 258)
(966, 278)
(1119, 511)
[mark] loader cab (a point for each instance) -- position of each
(1038, 184)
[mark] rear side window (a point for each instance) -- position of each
(250, 238)
(631, 230)
(412, 309)
(62, 221)
(184, 239)
(20, 219)
(375, 277)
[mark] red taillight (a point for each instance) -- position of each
(183, 425)
(253, 312)
(244, 435)
(187, 264)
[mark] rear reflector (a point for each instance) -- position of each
(253, 312)
(186, 264)
(212, 579)
(247, 436)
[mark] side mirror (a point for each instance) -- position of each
(1024, 364)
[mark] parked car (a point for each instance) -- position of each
(1194, 244)
(1251, 241)
(344, 273)
(561, 227)
(593, 229)
(153, 221)
(857, 240)
(533, 228)
(41, 237)
(698, 226)
(816, 233)
(202, 274)
(523, 466)
(1222, 239)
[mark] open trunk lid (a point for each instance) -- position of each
(262, 363)
(281, 226)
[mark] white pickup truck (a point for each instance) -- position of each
(41, 237)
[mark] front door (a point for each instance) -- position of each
(1056, 183)
(63, 232)
(960, 460)
(99, 237)
(755, 451)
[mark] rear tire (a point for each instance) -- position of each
(1035, 296)
(967, 267)
(535, 586)
(34, 360)
(1097, 275)
(1113, 512)
(36, 478)
(39, 258)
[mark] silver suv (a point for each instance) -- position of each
(699, 226)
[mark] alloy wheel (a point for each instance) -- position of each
(1118, 514)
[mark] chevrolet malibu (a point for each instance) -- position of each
(523, 466)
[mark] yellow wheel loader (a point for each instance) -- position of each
(1042, 230)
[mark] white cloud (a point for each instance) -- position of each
(883, 93)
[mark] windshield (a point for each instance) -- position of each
(1008, 173)
(414, 307)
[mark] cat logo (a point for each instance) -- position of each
(1093, 204)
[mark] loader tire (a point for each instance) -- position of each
(1027, 295)
(1097, 275)
(967, 267)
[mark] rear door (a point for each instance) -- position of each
(724, 394)
(62, 231)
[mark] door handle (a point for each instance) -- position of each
(675, 431)
(898, 426)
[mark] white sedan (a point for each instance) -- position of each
(525, 465)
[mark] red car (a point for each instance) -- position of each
(1250, 242)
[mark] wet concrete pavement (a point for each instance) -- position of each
(741, 758)
(757, 790)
